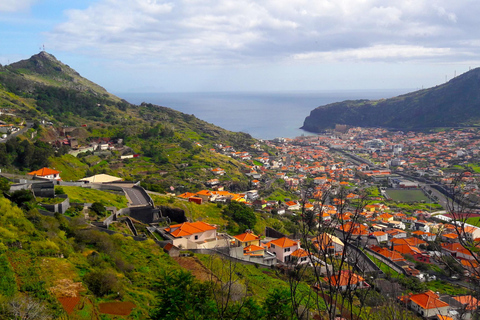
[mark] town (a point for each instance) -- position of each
(379, 200)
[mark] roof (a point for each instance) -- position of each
(392, 255)
(101, 178)
(405, 248)
(43, 172)
(246, 237)
(326, 239)
(253, 248)
(299, 253)
(428, 300)
(345, 278)
(284, 242)
(471, 302)
(189, 228)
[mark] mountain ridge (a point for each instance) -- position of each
(452, 104)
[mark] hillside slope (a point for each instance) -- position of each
(43, 89)
(455, 103)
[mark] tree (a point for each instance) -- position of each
(241, 214)
(23, 198)
(180, 296)
(330, 247)
(98, 208)
(24, 307)
(4, 185)
(278, 305)
(101, 282)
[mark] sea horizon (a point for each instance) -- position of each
(262, 114)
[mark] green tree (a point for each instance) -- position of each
(101, 282)
(182, 297)
(23, 198)
(4, 185)
(241, 214)
(98, 208)
(278, 305)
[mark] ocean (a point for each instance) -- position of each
(264, 115)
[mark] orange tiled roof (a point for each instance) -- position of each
(43, 172)
(284, 242)
(471, 302)
(252, 248)
(299, 253)
(428, 300)
(189, 228)
(246, 237)
(345, 278)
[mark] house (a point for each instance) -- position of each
(206, 195)
(470, 305)
(301, 256)
(450, 237)
(246, 239)
(397, 233)
(389, 254)
(282, 248)
(426, 304)
(46, 173)
(328, 244)
(385, 217)
(218, 171)
(192, 235)
(347, 280)
(292, 205)
(406, 249)
(380, 236)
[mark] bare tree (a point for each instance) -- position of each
(24, 307)
(341, 290)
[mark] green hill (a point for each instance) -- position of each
(455, 103)
(174, 147)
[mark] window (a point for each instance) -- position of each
(272, 246)
(196, 237)
(286, 250)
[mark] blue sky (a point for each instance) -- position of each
(243, 45)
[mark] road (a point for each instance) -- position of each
(136, 197)
(19, 132)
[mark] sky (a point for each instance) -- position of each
(243, 45)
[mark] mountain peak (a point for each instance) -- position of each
(43, 67)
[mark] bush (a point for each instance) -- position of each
(101, 282)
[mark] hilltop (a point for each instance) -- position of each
(455, 103)
(43, 90)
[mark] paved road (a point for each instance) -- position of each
(136, 197)
(21, 131)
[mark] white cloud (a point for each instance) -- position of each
(15, 5)
(377, 52)
(249, 31)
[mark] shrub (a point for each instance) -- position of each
(101, 282)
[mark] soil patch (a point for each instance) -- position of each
(117, 308)
(194, 265)
(69, 303)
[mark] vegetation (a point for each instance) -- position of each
(451, 104)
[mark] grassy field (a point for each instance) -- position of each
(84, 195)
(474, 221)
(407, 195)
